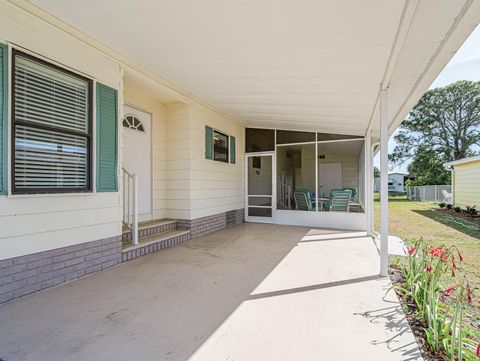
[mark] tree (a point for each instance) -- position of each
(376, 172)
(445, 121)
(427, 169)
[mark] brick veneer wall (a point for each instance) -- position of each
(34, 272)
(205, 225)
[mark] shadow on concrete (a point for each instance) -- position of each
(313, 287)
(396, 325)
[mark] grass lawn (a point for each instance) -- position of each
(414, 220)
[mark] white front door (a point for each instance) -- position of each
(137, 155)
(329, 177)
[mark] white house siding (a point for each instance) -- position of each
(30, 224)
(467, 184)
(198, 187)
(179, 179)
(216, 186)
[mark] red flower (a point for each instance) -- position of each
(478, 350)
(460, 256)
(454, 265)
(411, 251)
(444, 257)
(469, 296)
(449, 290)
(428, 268)
(436, 252)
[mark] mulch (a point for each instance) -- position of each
(460, 215)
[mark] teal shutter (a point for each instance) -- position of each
(208, 143)
(232, 150)
(3, 118)
(107, 135)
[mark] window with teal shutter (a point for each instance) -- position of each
(232, 149)
(3, 118)
(106, 139)
(51, 128)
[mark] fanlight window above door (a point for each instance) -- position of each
(132, 122)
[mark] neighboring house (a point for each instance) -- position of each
(396, 182)
(465, 182)
(271, 118)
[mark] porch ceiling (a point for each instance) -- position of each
(307, 64)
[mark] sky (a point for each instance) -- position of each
(465, 65)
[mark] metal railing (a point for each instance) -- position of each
(285, 195)
(130, 203)
(430, 193)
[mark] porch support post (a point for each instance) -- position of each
(368, 186)
(383, 182)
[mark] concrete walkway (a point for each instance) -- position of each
(252, 292)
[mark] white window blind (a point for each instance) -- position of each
(51, 128)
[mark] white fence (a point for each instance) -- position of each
(434, 193)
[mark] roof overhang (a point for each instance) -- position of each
(306, 65)
(448, 165)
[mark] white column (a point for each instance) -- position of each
(368, 189)
(383, 182)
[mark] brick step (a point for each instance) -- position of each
(154, 243)
(150, 228)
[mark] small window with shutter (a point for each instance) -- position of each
(51, 132)
(219, 146)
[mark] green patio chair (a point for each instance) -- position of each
(340, 201)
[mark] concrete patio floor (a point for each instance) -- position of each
(251, 292)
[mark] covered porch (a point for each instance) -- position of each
(252, 292)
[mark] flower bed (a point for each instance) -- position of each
(435, 312)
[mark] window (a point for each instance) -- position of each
(220, 147)
(259, 140)
(51, 133)
(132, 122)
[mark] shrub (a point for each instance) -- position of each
(426, 268)
(442, 205)
(449, 206)
(457, 209)
(471, 211)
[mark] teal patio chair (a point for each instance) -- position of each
(341, 201)
(327, 204)
(303, 201)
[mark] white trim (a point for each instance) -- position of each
(316, 172)
(273, 205)
(462, 161)
(336, 220)
(384, 182)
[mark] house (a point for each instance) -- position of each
(396, 182)
(465, 182)
(268, 109)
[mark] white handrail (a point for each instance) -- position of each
(130, 203)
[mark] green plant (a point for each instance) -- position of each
(449, 206)
(440, 309)
(442, 204)
(457, 209)
(472, 211)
